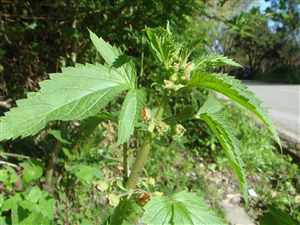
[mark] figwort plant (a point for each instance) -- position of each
(154, 107)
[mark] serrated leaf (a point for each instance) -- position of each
(163, 45)
(108, 52)
(121, 60)
(181, 208)
(236, 91)
(111, 56)
(213, 61)
(158, 211)
(130, 112)
(76, 93)
(194, 208)
(211, 113)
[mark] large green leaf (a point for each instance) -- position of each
(211, 113)
(236, 91)
(76, 93)
(129, 114)
(181, 208)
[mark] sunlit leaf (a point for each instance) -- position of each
(178, 209)
(130, 112)
(211, 113)
(76, 93)
(236, 91)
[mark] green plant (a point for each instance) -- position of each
(274, 175)
(150, 113)
(21, 197)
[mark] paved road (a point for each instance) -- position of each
(283, 103)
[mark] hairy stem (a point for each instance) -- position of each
(139, 163)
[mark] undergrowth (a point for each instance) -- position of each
(121, 123)
(273, 174)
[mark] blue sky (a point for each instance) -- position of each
(263, 5)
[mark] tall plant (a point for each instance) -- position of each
(149, 111)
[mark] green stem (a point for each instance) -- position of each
(139, 163)
(124, 207)
(143, 153)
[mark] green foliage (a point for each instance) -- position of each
(85, 173)
(162, 44)
(47, 36)
(266, 41)
(58, 136)
(213, 61)
(83, 91)
(22, 202)
(126, 213)
(130, 112)
(77, 93)
(108, 52)
(276, 176)
(8, 176)
(31, 171)
(39, 207)
(180, 208)
(211, 113)
(275, 216)
(236, 91)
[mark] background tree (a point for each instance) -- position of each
(39, 36)
(267, 41)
